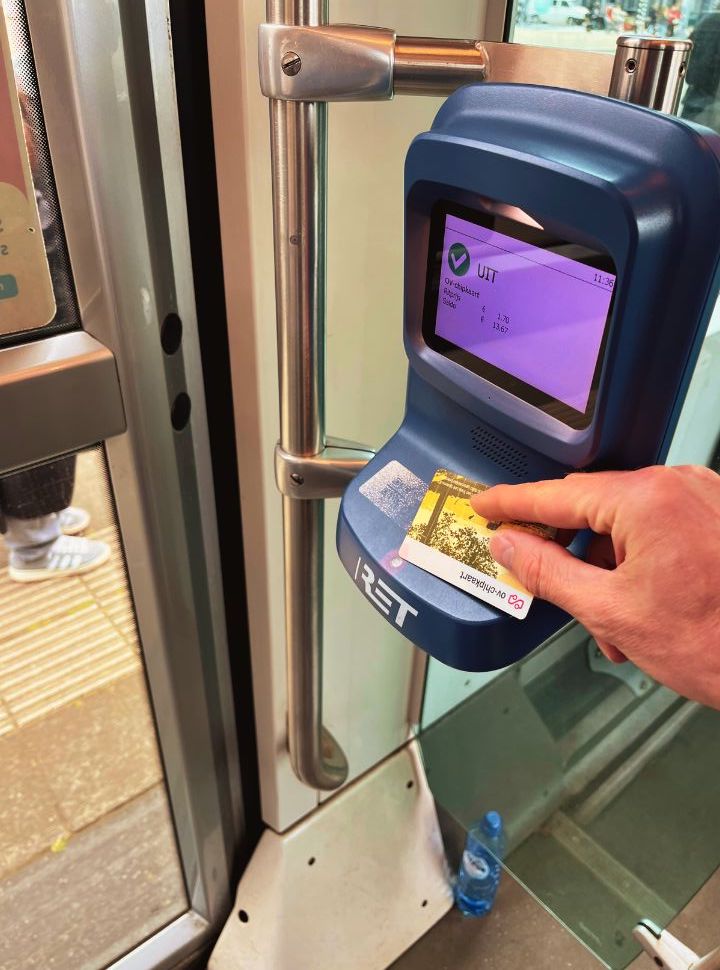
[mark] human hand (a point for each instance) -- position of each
(650, 588)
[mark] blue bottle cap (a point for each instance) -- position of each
(492, 823)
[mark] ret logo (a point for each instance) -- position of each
(379, 593)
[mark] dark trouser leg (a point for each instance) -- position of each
(38, 491)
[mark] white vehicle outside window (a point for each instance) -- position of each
(564, 12)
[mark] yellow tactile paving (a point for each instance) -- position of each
(6, 722)
(63, 638)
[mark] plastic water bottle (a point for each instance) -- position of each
(479, 872)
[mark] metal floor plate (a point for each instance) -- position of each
(349, 888)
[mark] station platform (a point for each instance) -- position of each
(82, 790)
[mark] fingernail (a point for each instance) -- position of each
(502, 550)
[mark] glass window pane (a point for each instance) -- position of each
(592, 775)
(594, 25)
(88, 860)
(547, 23)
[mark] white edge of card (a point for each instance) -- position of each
(449, 569)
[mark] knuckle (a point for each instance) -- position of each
(648, 472)
(697, 473)
(661, 488)
(575, 478)
(652, 478)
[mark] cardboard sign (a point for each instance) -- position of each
(26, 293)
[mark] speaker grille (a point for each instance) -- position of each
(503, 454)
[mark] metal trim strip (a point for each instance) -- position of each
(62, 394)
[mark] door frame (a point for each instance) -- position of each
(107, 85)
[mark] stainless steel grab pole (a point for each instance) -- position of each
(298, 136)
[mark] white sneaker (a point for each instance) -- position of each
(67, 556)
(73, 520)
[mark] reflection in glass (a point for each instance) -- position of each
(86, 837)
(608, 788)
(594, 25)
(701, 97)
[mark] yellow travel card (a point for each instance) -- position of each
(451, 541)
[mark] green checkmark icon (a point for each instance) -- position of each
(458, 259)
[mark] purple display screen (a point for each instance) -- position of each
(534, 315)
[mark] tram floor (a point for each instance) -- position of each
(88, 861)
(519, 932)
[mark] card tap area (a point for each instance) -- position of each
(561, 264)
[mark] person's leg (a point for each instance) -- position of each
(39, 490)
(39, 550)
(36, 511)
(29, 539)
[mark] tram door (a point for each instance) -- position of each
(123, 811)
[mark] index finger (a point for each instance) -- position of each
(580, 501)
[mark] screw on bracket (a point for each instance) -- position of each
(291, 63)
(297, 479)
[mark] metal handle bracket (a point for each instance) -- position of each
(325, 475)
(333, 63)
(346, 62)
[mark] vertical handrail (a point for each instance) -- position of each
(298, 139)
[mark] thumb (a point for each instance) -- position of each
(552, 573)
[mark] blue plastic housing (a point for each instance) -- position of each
(641, 186)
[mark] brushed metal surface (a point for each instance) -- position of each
(298, 144)
(650, 71)
(437, 65)
(351, 886)
(526, 64)
(63, 394)
(342, 62)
